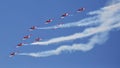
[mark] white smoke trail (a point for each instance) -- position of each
(96, 39)
(86, 33)
(85, 22)
(109, 18)
(82, 47)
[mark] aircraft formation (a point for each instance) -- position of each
(38, 39)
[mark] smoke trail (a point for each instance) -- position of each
(96, 39)
(85, 22)
(82, 47)
(86, 33)
(109, 18)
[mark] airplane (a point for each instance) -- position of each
(12, 54)
(32, 28)
(37, 39)
(64, 15)
(20, 44)
(80, 9)
(27, 37)
(48, 21)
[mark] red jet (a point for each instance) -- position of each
(20, 44)
(37, 39)
(32, 28)
(80, 9)
(27, 37)
(12, 54)
(48, 21)
(64, 15)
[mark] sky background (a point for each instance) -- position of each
(17, 16)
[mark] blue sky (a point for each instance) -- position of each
(17, 16)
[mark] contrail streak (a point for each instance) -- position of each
(86, 33)
(82, 47)
(85, 22)
(96, 39)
